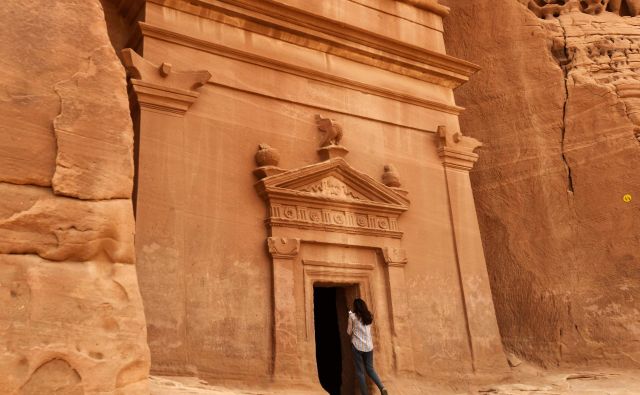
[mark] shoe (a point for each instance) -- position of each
(384, 391)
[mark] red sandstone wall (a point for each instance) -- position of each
(71, 317)
(560, 153)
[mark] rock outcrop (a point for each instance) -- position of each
(72, 319)
(557, 105)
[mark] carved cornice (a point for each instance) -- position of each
(313, 31)
(395, 256)
(159, 33)
(159, 88)
(283, 247)
(429, 5)
(456, 150)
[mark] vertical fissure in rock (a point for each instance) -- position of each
(563, 61)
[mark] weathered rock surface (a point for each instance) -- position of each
(72, 319)
(85, 314)
(34, 221)
(556, 106)
(63, 73)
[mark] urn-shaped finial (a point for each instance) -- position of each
(390, 177)
(267, 156)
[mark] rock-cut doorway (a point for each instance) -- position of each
(334, 361)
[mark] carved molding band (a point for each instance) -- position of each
(283, 247)
(331, 219)
(312, 74)
(309, 30)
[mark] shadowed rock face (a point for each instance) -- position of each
(71, 319)
(556, 104)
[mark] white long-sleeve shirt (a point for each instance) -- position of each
(360, 333)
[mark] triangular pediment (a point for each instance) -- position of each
(334, 180)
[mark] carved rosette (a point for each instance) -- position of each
(283, 247)
(456, 150)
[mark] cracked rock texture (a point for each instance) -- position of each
(557, 104)
(71, 320)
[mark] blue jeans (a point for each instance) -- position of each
(364, 360)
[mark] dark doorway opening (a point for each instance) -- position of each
(333, 347)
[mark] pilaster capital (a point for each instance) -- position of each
(456, 150)
(283, 247)
(395, 256)
(159, 88)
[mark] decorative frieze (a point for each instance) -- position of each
(330, 218)
(334, 188)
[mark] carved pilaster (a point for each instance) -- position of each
(160, 88)
(396, 260)
(456, 150)
(458, 158)
(283, 251)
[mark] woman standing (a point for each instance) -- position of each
(359, 328)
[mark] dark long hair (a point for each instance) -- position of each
(362, 312)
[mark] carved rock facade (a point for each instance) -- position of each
(307, 101)
(560, 154)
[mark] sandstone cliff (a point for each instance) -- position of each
(556, 104)
(71, 319)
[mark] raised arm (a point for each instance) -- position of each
(349, 325)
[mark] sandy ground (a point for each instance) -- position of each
(524, 381)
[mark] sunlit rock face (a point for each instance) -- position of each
(71, 319)
(556, 103)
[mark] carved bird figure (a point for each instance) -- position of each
(331, 129)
